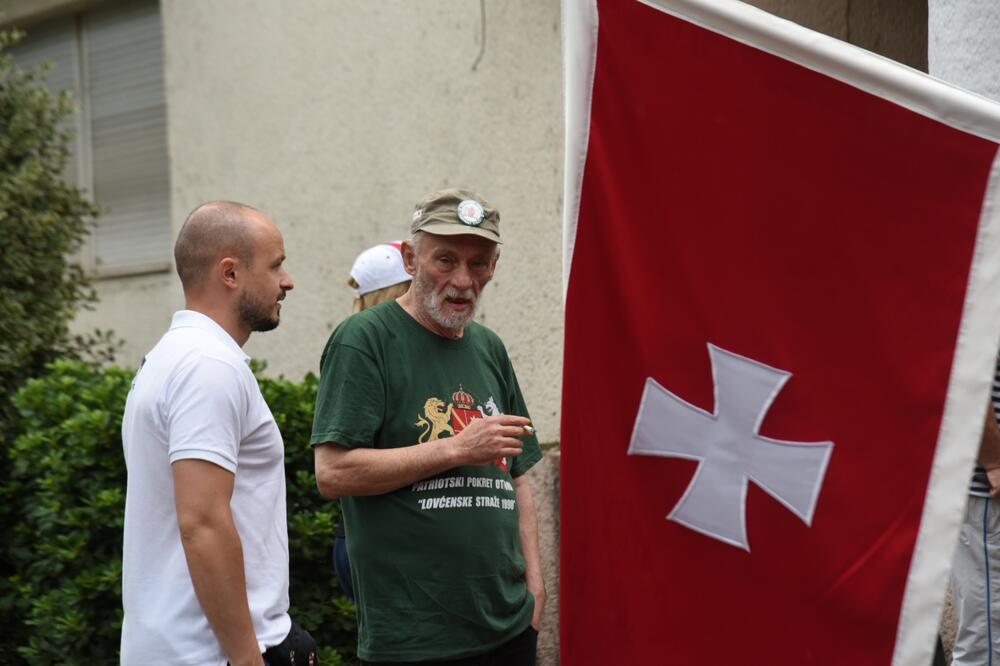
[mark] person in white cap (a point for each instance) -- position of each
(377, 276)
(421, 428)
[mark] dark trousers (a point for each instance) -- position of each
(518, 652)
(342, 567)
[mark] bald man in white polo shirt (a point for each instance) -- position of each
(205, 577)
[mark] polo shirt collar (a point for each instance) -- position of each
(192, 319)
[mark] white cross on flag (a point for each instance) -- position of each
(730, 449)
(782, 313)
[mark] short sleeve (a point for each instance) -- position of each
(206, 405)
(350, 403)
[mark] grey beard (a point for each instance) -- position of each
(432, 302)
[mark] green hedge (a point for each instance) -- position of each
(67, 492)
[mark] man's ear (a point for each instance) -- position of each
(226, 269)
(409, 257)
(493, 264)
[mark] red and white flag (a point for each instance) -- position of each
(782, 314)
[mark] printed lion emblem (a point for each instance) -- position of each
(435, 421)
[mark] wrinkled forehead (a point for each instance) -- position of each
(460, 244)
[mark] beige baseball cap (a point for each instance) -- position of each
(454, 212)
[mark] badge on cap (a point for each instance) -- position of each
(417, 214)
(471, 212)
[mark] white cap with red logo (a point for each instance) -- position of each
(379, 267)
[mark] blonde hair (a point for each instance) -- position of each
(382, 295)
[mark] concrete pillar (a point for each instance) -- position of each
(544, 479)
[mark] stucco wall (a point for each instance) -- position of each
(335, 117)
(964, 44)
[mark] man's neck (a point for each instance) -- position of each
(409, 304)
(223, 316)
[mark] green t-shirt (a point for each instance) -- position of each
(437, 566)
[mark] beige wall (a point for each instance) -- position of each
(335, 117)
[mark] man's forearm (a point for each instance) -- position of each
(215, 560)
(528, 529)
(342, 472)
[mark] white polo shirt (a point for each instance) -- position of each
(195, 397)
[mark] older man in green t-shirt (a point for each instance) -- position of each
(421, 428)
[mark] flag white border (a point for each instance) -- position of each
(958, 441)
(579, 32)
(976, 351)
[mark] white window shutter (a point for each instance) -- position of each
(123, 63)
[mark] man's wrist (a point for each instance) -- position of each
(253, 659)
(249, 656)
(454, 451)
(535, 581)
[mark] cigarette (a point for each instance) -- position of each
(529, 430)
